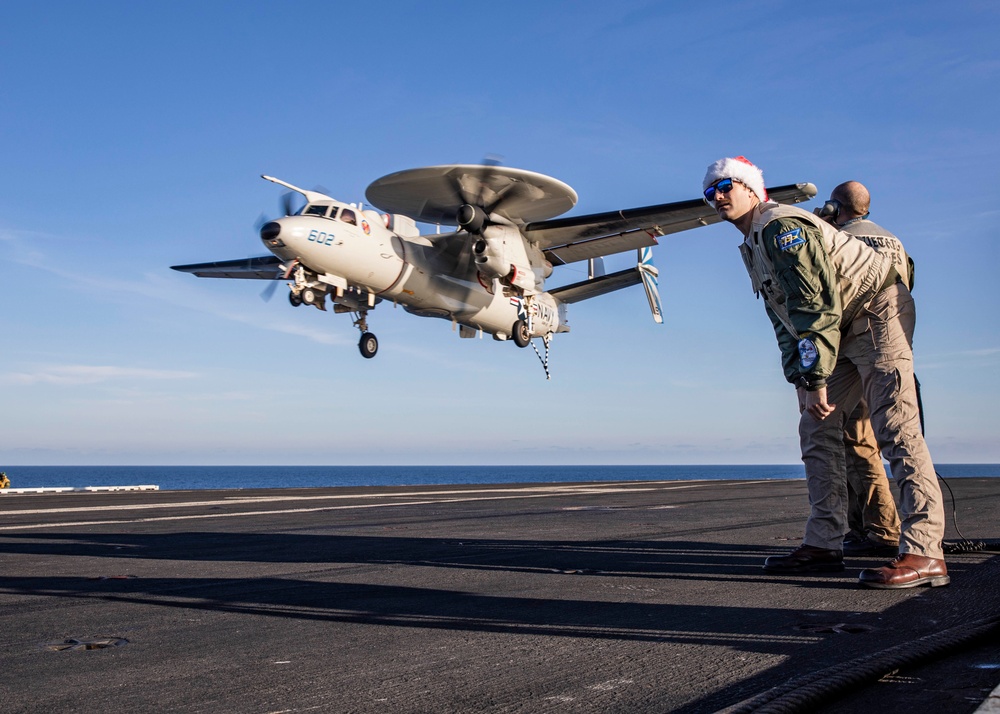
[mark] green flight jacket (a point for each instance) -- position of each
(815, 280)
(812, 299)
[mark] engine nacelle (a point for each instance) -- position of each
(490, 258)
(500, 253)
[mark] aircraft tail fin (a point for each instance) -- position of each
(650, 281)
(644, 272)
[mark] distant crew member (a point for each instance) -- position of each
(4, 481)
(872, 520)
(842, 316)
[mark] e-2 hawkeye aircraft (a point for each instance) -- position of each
(487, 276)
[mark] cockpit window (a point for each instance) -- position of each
(315, 210)
(347, 216)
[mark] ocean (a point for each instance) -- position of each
(232, 477)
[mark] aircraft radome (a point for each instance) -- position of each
(488, 275)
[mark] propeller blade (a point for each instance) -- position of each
(512, 191)
(489, 162)
(289, 205)
(472, 215)
(268, 292)
(501, 195)
(458, 196)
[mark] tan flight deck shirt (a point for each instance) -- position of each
(884, 242)
(815, 280)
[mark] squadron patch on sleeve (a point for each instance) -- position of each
(808, 354)
(790, 239)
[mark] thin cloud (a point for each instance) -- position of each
(979, 356)
(155, 287)
(89, 374)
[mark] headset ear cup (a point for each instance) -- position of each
(830, 209)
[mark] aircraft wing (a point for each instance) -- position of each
(267, 267)
(567, 240)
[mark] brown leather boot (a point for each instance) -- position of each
(806, 559)
(906, 570)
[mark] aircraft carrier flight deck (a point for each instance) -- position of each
(564, 597)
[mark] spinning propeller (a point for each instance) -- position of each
(289, 207)
(473, 216)
(288, 203)
(292, 203)
(492, 191)
(267, 293)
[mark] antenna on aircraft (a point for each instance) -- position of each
(283, 183)
(311, 196)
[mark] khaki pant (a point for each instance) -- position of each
(871, 508)
(875, 363)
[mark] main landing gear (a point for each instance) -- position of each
(521, 333)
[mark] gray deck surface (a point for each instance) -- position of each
(595, 597)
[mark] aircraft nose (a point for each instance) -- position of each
(270, 231)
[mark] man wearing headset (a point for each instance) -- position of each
(840, 313)
(871, 510)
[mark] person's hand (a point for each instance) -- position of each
(815, 403)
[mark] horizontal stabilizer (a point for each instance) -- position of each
(266, 267)
(598, 286)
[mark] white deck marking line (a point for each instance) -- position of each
(33, 526)
(233, 500)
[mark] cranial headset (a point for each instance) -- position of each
(831, 211)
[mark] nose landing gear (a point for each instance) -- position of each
(368, 345)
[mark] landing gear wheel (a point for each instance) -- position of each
(308, 296)
(295, 299)
(368, 345)
(520, 333)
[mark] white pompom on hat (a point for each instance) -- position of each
(740, 169)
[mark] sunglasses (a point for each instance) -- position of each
(723, 186)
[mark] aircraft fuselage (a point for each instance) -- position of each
(432, 276)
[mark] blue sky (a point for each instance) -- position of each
(134, 135)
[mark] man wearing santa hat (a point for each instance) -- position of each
(840, 313)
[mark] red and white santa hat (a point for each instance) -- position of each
(740, 169)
